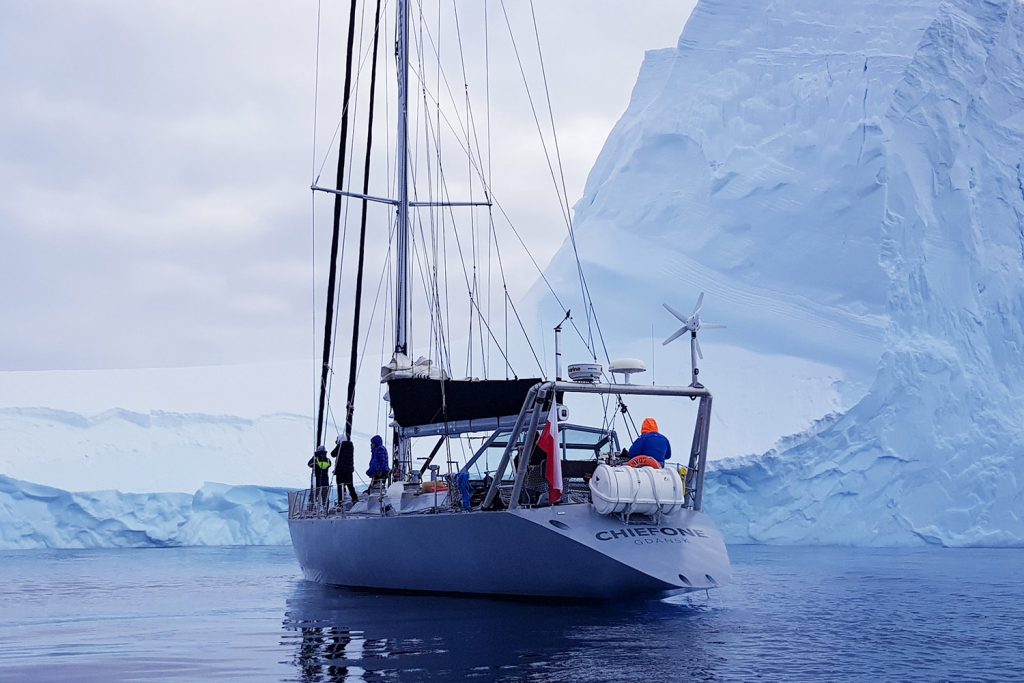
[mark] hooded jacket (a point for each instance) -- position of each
(344, 455)
(320, 464)
(651, 443)
(378, 458)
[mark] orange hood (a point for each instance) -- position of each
(650, 425)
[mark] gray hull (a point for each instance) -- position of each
(564, 551)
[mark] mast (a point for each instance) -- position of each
(402, 243)
(400, 445)
(402, 203)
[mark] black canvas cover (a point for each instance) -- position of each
(418, 401)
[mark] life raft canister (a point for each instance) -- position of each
(644, 461)
(636, 490)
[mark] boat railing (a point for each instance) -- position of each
(315, 503)
(325, 502)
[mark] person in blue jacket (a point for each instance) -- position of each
(379, 468)
(651, 443)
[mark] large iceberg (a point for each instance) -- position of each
(36, 516)
(846, 181)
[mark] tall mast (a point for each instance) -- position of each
(401, 446)
(402, 243)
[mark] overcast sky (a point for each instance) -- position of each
(155, 159)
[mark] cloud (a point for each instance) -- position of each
(155, 158)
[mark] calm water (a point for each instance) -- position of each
(791, 614)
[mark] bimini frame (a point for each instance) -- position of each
(538, 399)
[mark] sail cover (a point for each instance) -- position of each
(421, 401)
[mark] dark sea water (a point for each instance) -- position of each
(809, 614)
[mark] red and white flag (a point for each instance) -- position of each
(548, 443)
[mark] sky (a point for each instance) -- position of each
(156, 157)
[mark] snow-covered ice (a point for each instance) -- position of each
(36, 516)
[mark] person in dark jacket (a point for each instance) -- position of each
(651, 443)
(345, 467)
(379, 469)
(321, 465)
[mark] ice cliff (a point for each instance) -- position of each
(846, 181)
(150, 451)
(35, 516)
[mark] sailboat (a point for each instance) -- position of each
(540, 506)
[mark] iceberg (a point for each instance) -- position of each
(846, 183)
(36, 516)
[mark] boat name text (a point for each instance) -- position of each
(642, 531)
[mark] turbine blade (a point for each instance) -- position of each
(697, 344)
(711, 326)
(680, 332)
(700, 302)
(682, 318)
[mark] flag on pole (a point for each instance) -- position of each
(548, 443)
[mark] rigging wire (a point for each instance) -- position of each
(468, 129)
(588, 302)
(337, 128)
(384, 271)
(562, 205)
(446, 197)
(508, 219)
(471, 135)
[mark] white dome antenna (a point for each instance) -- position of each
(627, 367)
(692, 324)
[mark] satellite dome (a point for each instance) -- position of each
(627, 367)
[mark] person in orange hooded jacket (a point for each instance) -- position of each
(651, 443)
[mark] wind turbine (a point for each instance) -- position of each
(691, 324)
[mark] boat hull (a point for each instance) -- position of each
(566, 551)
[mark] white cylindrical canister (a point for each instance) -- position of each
(636, 490)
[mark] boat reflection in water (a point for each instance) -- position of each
(337, 634)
